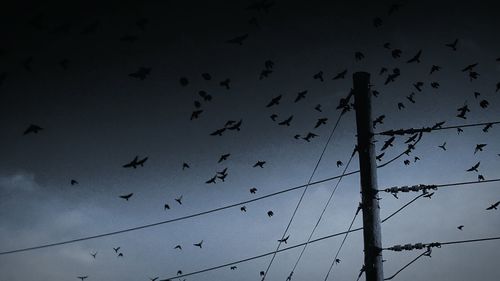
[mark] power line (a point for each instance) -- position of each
(426, 187)
(429, 246)
(303, 194)
(125, 230)
(283, 249)
(434, 128)
(323, 212)
(342, 244)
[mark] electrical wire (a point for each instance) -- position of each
(303, 194)
(283, 249)
(145, 226)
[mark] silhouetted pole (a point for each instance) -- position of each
(368, 174)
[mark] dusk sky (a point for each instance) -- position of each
(111, 81)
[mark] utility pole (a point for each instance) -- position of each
(368, 174)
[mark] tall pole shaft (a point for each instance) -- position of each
(368, 174)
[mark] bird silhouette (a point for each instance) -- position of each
(286, 122)
(435, 85)
(435, 68)
(131, 164)
(274, 101)
(236, 126)
(377, 22)
(383, 70)
(339, 163)
(218, 132)
(309, 136)
(429, 195)
(265, 73)
(284, 240)
(93, 254)
(340, 75)
(487, 127)
(400, 106)
(224, 157)
(179, 200)
(473, 75)
(225, 83)
(438, 125)
(269, 64)
(178, 247)
(179, 272)
(207, 76)
(259, 164)
(196, 114)
(460, 227)
(479, 147)
(82, 277)
(185, 166)
(396, 53)
(273, 116)
(222, 177)
(498, 87)
(380, 156)
(243, 208)
(494, 206)
(392, 77)
(415, 58)
(416, 158)
(452, 45)
(300, 95)
(253, 190)
(141, 73)
(166, 207)
(318, 107)
(321, 121)
(127, 196)
(411, 97)
(484, 104)
(116, 249)
(474, 168)
(378, 120)
(406, 162)
(388, 143)
(153, 279)
(270, 213)
(73, 182)
(32, 129)
(462, 111)
(233, 267)
(359, 56)
(443, 146)
(480, 178)
(318, 76)
(238, 40)
(469, 67)
(418, 85)
(199, 244)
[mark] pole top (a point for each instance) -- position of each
(361, 79)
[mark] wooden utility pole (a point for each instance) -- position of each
(368, 174)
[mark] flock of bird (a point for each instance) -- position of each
(229, 126)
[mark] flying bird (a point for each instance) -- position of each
(443, 146)
(243, 208)
(318, 107)
(284, 240)
(225, 83)
(178, 247)
(127, 196)
(259, 164)
(179, 200)
(274, 101)
(452, 45)
(116, 249)
(166, 207)
(196, 114)
(185, 166)
(199, 244)
(460, 227)
(218, 132)
(207, 76)
(141, 73)
(309, 136)
(318, 76)
(211, 180)
(82, 277)
(270, 213)
(494, 206)
(435, 68)
(286, 122)
(253, 190)
(388, 143)
(415, 58)
(487, 127)
(132, 163)
(233, 267)
(238, 39)
(300, 96)
(224, 157)
(474, 168)
(359, 56)
(321, 121)
(273, 116)
(479, 147)
(93, 254)
(378, 120)
(470, 67)
(340, 75)
(73, 182)
(236, 126)
(396, 53)
(32, 129)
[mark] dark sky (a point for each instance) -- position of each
(96, 117)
